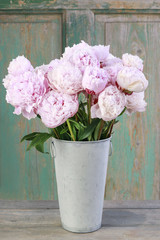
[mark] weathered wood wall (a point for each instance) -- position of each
(40, 30)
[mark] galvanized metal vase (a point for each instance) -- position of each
(81, 169)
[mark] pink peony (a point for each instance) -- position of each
(111, 103)
(44, 68)
(19, 65)
(48, 67)
(7, 80)
(130, 78)
(25, 92)
(101, 52)
(81, 55)
(94, 80)
(66, 78)
(95, 111)
(112, 67)
(57, 107)
(130, 60)
(135, 103)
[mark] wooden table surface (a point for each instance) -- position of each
(40, 220)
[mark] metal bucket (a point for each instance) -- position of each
(81, 169)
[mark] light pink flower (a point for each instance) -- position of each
(135, 103)
(111, 103)
(130, 60)
(25, 92)
(112, 67)
(57, 107)
(82, 55)
(101, 52)
(19, 65)
(66, 78)
(45, 68)
(95, 111)
(94, 80)
(7, 80)
(130, 78)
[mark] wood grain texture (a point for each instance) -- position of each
(49, 204)
(79, 26)
(133, 171)
(129, 224)
(25, 175)
(40, 30)
(83, 4)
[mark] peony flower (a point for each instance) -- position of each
(130, 60)
(112, 67)
(44, 68)
(135, 103)
(101, 52)
(7, 80)
(48, 67)
(81, 55)
(19, 65)
(95, 111)
(111, 103)
(94, 80)
(130, 78)
(66, 78)
(25, 92)
(57, 107)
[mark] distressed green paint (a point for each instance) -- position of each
(103, 5)
(133, 171)
(41, 34)
(79, 26)
(119, 175)
(25, 175)
(152, 147)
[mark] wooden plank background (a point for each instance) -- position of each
(40, 30)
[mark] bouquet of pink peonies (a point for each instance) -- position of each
(79, 96)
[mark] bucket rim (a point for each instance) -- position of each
(82, 142)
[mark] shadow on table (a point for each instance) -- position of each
(121, 218)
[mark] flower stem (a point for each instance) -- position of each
(70, 129)
(111, 128)
(56, 133)
(100, 129)
(89, 107)
(76, 117)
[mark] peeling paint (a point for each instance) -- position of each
(21, 3)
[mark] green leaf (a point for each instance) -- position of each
(97, 131)
(116, 122)
(38, 116)
(122, 112)
(74, 123)
(39, 139)
(29, 137)
(74, 132)
(89, 130)
(40, 148)
(79, 117)
(64, 130)
(59, 129)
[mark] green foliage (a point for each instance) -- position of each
(87, 132)
(37, 140)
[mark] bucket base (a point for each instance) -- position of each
(79, 230)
